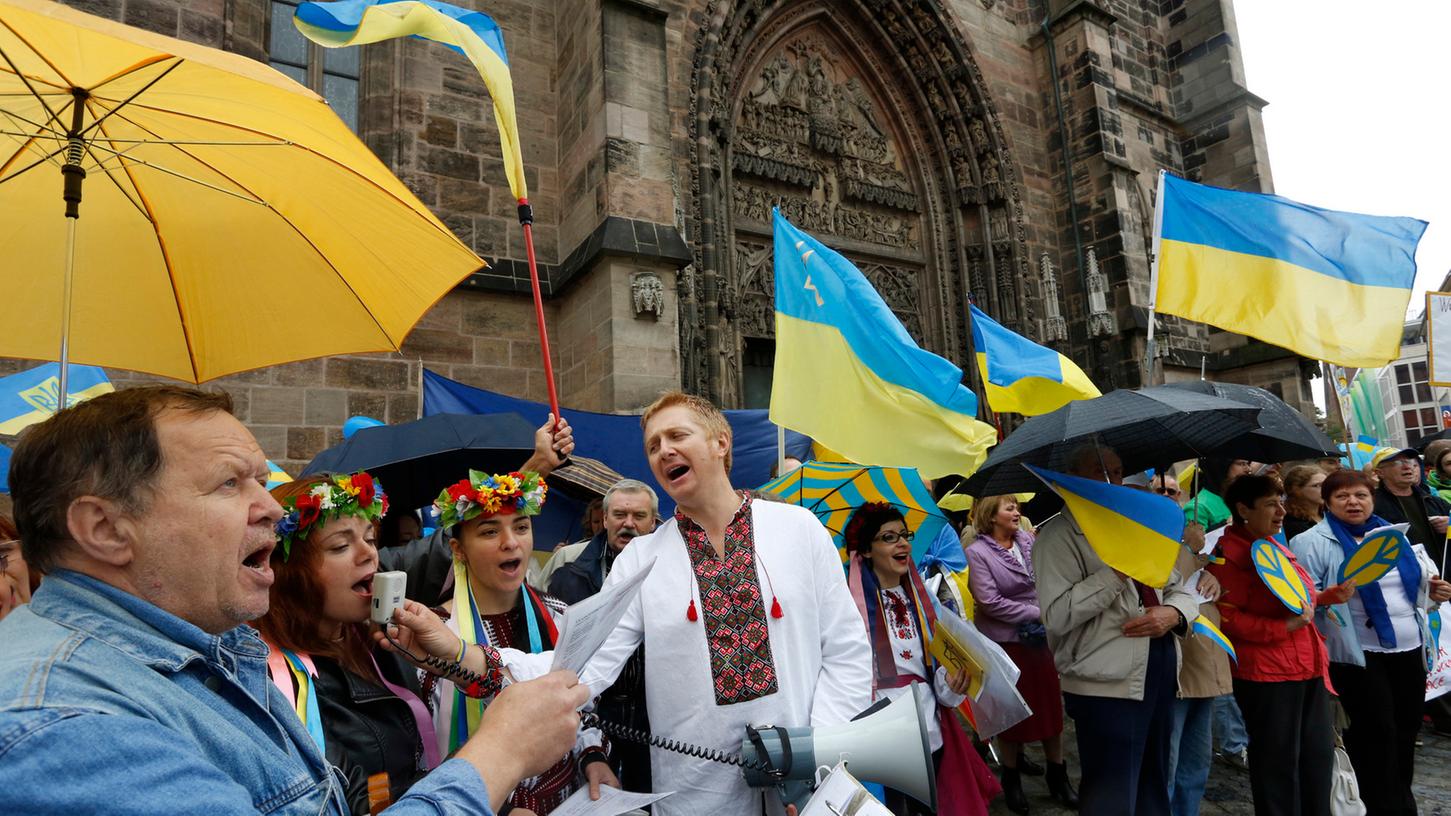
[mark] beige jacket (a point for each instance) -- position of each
(1085, 605)
(1203, 666)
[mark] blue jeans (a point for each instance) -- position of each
(1229, 725)
(1190, 747)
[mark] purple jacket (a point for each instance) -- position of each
(1001, 587)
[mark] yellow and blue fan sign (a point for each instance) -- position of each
(1278, 573)
(1375, 557)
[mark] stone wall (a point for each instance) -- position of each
(607, 112)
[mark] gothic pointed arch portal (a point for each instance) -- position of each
(868, 124)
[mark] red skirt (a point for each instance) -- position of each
(1038, 683)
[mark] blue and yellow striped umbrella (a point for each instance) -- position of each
(832, 490)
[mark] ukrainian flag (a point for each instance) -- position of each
(1133, 531)
(1021, 376)
(1330, 285)
(32, 396)
(1204, 627)
(471, 33)
(849, 376)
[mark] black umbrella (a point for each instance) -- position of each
(415, 460)
(1150, 427)
(1426, 440)
(1283, 435)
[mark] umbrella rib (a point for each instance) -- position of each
(23, 78)
(133, 195)
(128, 100)
(437, 227)
(31, 166)
(166, 261)
(121, 159)
(838, 488)
(316, 250)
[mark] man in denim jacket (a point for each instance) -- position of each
(130, 684)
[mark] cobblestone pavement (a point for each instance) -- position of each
(1228, 791)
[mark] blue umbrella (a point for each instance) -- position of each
(4, 469)
(415, 460)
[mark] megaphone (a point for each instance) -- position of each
(887, 744)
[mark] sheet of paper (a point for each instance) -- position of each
(1211, 540)
(1192, 584)
(612, 802)
(840, 794)
(589, 622)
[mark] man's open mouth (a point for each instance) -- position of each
(258, 558)
(677, 471)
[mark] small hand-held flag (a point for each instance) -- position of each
(475, 35)
(1021, 376)
(1204, 627)
(1330, 285)
(848, 374)
(1135, 532)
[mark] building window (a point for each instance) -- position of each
(331, 72)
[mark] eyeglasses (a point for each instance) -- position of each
(1171, 492)
(893, 538)
(7, 547)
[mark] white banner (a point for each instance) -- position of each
(1438, 339)
(1438, 682)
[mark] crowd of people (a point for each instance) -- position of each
(174, 632)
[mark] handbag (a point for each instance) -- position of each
(1344, 788)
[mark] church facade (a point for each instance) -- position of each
(999, 151)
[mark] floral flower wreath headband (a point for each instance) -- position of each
(340, 495)
(490, 494)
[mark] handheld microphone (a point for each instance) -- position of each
(388, 590)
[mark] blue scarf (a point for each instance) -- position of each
(1371, 596)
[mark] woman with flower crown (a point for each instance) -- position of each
(362, 706)
(489, 519)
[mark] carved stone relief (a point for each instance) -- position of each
(867, 124)
(648, 293)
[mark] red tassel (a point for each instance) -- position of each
(775, 608)
(690, 612)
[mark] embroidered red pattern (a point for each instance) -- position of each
(899, 616)
(736, 633)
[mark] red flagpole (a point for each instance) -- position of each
(526, 220)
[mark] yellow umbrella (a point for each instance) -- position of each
(229, 220)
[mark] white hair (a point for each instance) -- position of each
(633, 486)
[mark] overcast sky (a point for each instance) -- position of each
(1359, 114)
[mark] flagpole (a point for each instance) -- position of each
(1154, 280)
(526, 220)
(780, 450)
(1328, 372)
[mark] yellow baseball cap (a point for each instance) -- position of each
(1385, 455)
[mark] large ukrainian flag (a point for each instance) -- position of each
(1021, 376)
(471, 33)
(848, 374)
(1330, 285)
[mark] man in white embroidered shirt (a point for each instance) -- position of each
(746, 617)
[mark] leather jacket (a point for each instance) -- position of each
(367, 724)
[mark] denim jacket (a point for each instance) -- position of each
(109, 704)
